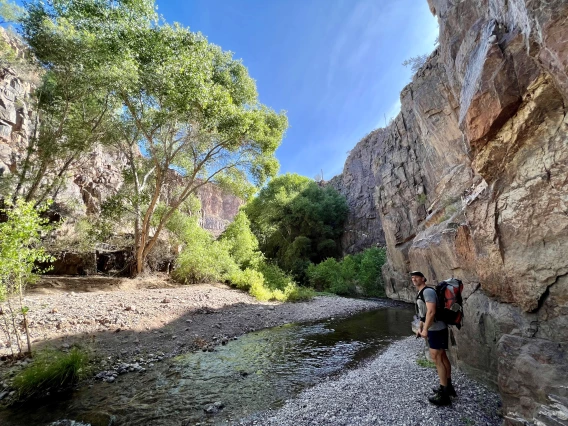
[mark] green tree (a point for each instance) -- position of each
(354, 274)
(242, 243)
(196, 113)
(297, 222)
(190, 108)
(20, 249)
(9, 12)
(80, 70)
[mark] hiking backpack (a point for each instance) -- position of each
(450, 304)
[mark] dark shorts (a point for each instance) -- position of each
(438, 339)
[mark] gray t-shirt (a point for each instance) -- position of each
(429, 296)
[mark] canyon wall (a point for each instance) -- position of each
(471, 180)
(363, 228)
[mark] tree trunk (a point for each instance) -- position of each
(23, 309)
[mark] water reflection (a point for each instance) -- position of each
(257, 372)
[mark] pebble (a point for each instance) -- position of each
(392, 389)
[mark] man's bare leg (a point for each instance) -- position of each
(447, 365)
(436, 355)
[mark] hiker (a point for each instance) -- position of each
(437, 334)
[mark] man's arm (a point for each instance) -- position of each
(430, 315)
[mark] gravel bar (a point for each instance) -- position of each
(392, 389)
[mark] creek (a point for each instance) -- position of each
(257, 372)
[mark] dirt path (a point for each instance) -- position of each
(123, 318)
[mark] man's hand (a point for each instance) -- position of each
(424, 333)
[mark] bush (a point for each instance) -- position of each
(269, 282)
(235, 258)
(202, 259)
(327, 276)
(242, 243)
(21, 234)
(369, 272)
(244, 280)
(360, 273)
(51, 370)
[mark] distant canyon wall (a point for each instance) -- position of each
(471, 180)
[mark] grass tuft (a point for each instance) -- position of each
(423, 362)
(51, 370)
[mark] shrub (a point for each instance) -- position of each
(270, 283)
(421, 199)
(202, 259)
(242, 243)
(369, 273)
(282, 285)
(425, 363)
(328, 276)
(244, 280)
(296, 293)
(234, 257)
(360, 273)
(274, 277)
(51, 370)
(20, 249)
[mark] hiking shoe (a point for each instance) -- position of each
(440, 398)
(451, 391)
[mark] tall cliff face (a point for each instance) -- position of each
(363, 228)
(471, 180)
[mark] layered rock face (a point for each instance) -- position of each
(218, 208)
(363, 228)
(471, 181)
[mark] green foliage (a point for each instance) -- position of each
(421, 199)
(297, 222)
(51, 370)
(270, 283)
(202, 259)
(246, 279)
(360, 273)
(79, 73)
(20, 246)
(423, 362)
(243, 245)
(328, 276)
(20, 249)
(9, 12)
(116, 73)
(449, 210)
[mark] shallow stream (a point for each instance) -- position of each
(257, 372)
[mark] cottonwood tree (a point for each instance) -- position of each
(9, 11)
(194, 112)
(74, 103)
(187, 115)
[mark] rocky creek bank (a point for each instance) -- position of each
(130, 325)
(391, 389)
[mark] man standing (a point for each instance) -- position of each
(437, 334)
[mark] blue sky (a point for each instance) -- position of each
(333, 65)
